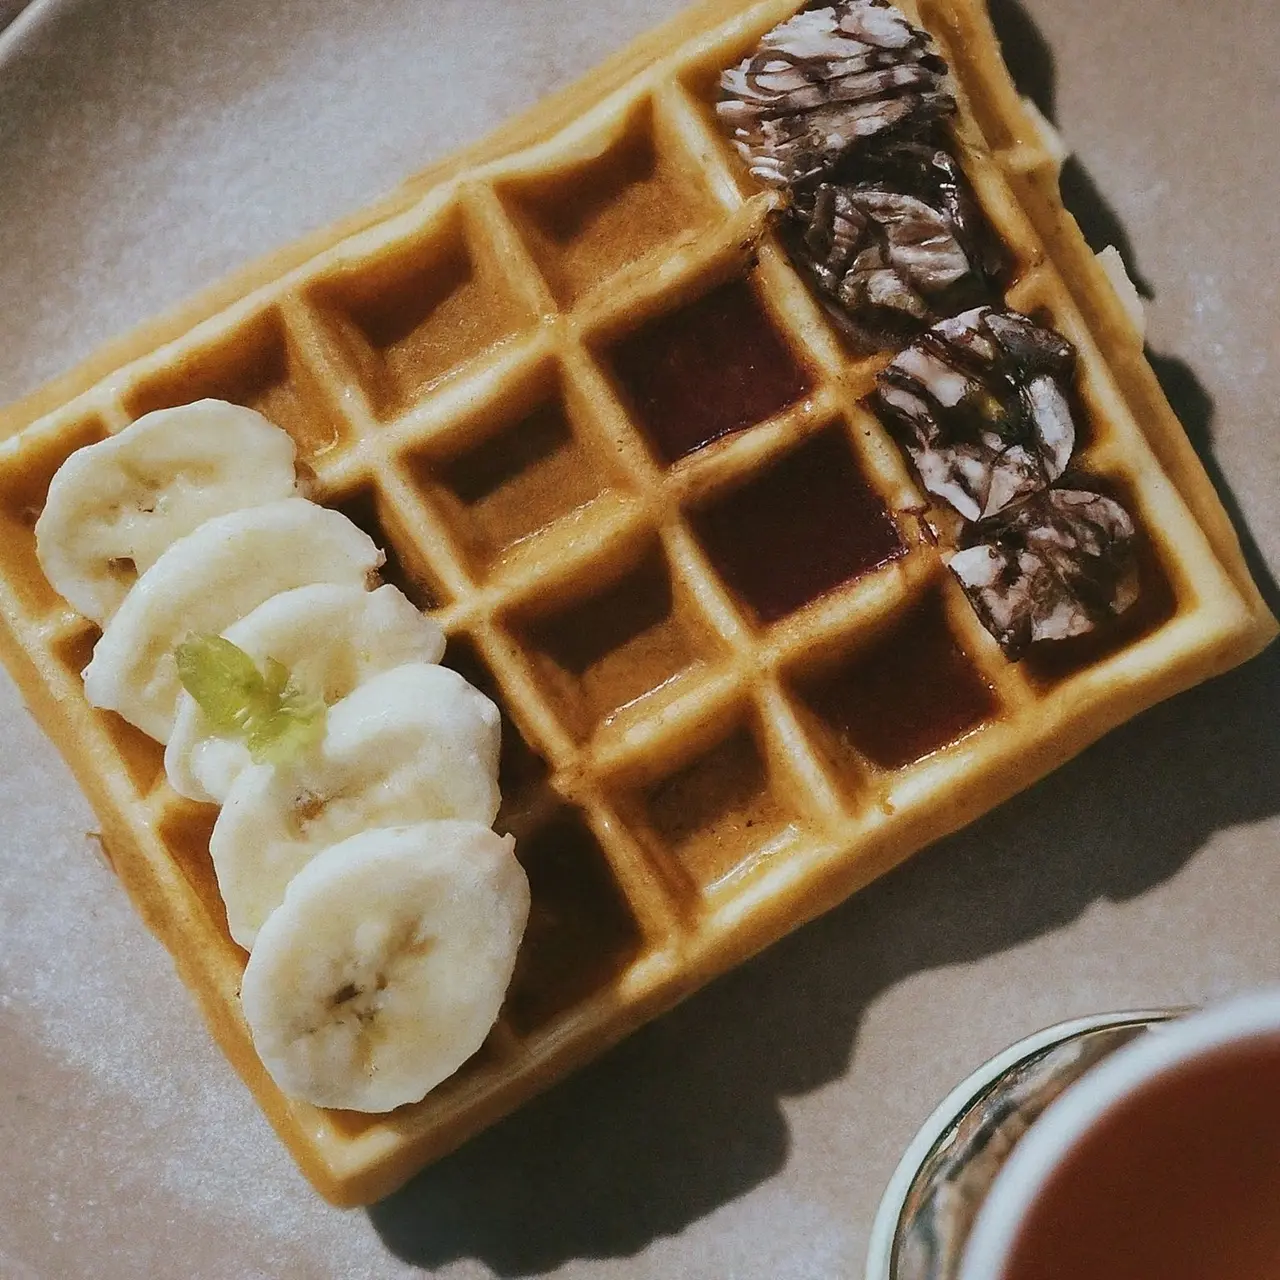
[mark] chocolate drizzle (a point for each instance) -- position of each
(825, 81)
(1055, 566)
(898, 247)
(979, 402)
(848, 106)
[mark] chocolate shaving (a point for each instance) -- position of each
(1053, 567)
(822, 82)
(902, 246)
(980, 403)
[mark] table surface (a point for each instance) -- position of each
(147, 148)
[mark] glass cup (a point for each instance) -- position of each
(1142, 1144)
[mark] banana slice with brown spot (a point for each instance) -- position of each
(385, 966)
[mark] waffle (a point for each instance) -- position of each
(704, 745)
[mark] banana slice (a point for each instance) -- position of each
(332, 639)
(411, 744)
(386, 964)
(114, 507)
(208, 580)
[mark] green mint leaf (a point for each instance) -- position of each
(293, 724)
(223, 680)
(276, 677)
(284, 735)
(277, 719)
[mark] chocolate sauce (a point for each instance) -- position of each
(713, 368)
(1156, 605)
(894, 242)
(911, 694)
(827, 85)
(802, 528)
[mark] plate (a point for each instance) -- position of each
(149, 148)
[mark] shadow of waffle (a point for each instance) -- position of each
(1030, 62)
(1026, 54)
(686, 1115)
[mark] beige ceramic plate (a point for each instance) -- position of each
(147, 148)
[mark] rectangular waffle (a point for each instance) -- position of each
(704, 748)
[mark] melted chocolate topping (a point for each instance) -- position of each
(819, 85)
(845, 105)
(897, 245)
(980, 403)
(1055, 566)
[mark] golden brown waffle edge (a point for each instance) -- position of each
(689, 790)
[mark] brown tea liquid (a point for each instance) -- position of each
(1181, 1182)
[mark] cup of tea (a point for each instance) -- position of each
(1162, 1162)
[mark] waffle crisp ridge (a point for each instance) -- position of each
(719, 718)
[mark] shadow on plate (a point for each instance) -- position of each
(685, 1116)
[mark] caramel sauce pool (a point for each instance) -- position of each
(1181, 1182)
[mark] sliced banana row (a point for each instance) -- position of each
(381, 913)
